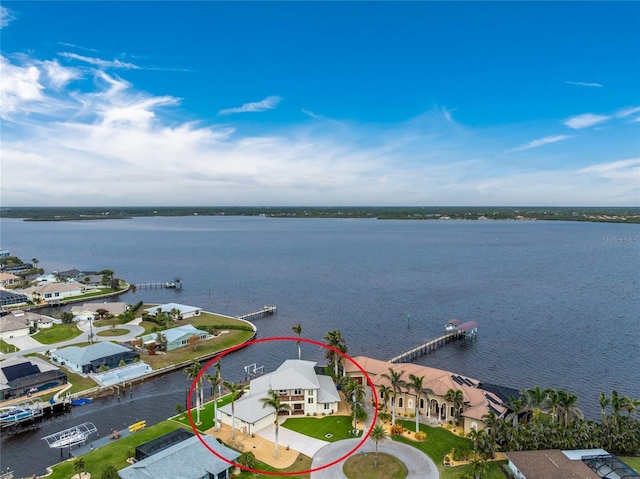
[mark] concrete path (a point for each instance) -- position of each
(420, 466)
(296, 441)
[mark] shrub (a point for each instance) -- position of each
(384, 416)
(461, 454)
(397, 429)
(421, 436)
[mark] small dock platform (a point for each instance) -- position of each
(176, 284)
(267, 310)
(454, 331)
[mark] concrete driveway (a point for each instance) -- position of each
(296, 441)
(420, 466)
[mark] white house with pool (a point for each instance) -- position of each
(304, 387)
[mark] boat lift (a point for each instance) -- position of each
(18, 413)
(70, 437)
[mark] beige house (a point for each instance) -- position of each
(8, 279)
(54, 292)
(90, 309)
(10, 327)
(299, 385)
(433, 409)
(570, 464)
(37, 321)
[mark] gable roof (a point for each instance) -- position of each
(188, 459)
(117, 307)
(550, 464)
(87, 354)
(9, 323)
(174, 334)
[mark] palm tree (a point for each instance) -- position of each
(604, 401)
(79, 466)
(397, 383)
(298, 330)
(629, 405)
(233, 389)
(180, 410)
(616, 405)
(192, 372)
(335, 340)
(535, 398)
(385, 395)
(378, 433)
(456, 397)
(110, 472)
(567, 407)
(479, 467)
(215, 380)
(247, 459)
(273, 400)
(517, 407)
(415, 384)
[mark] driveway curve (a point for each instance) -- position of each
(419, 465)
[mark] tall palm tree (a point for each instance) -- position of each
(567, 408)
(616, 405)
(630, 405)
(456, 397)
(298, 330)
(335, 340)
(192, 373)
(535, 398)
(273, 400)
(479, 467)
(397, 383)
(215, 380)
(604, 401)
(378, 433)
(517, 407)
(416, 385)
(79, 466)
(385, 395)
(233, 388)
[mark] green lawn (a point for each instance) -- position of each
(113, 332)
(206, 414)
(303, 463)
(632, 462)
(80, 383)
(337, 426)
(494, 471)
(177, 356)
(113, 454)
(361, 466)
(57, 333)
(7, 348)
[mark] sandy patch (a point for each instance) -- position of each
(261, 448)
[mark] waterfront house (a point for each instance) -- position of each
(184, 311)
(569, 464)
(8, 279)
(54, 292)
(435, 408)
(176, 337)
(188, 459)
(306, 389)
(20, 376)
(88, 359)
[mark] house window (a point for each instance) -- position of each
(297, 407)
(381, 394)
(56, 294)
(297, 392)
(421, 403)
(309, 392)
(452, 412)
(400, 402)
(326, 406)
(282, 392)
(310, 400)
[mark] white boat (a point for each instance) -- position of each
(68, 438)
(452, 325)
(16, 414)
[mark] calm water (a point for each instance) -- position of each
(558, 303)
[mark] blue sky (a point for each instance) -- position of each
(327, 103)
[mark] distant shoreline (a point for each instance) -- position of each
(441, 213)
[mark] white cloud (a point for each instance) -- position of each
(540, 142)
(585, 120)
(58, 75)
(582, 83)
(18, 85)
(99, 62)
(268, 103)
(5, 17)
(625, 112)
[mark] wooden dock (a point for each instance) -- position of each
(429, 346)
(266, 310)
(160, 285)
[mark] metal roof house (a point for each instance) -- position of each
(188, 459)
(298, 385)
(177, 337)
(88, 359)
(184, 310)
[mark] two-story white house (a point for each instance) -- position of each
(305, 388)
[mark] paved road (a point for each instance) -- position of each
(28, 344)
(419, 465)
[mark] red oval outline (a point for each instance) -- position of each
(283, 338)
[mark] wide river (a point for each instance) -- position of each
(557, 302)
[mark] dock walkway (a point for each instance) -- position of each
(266, 310)
(427, 347)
